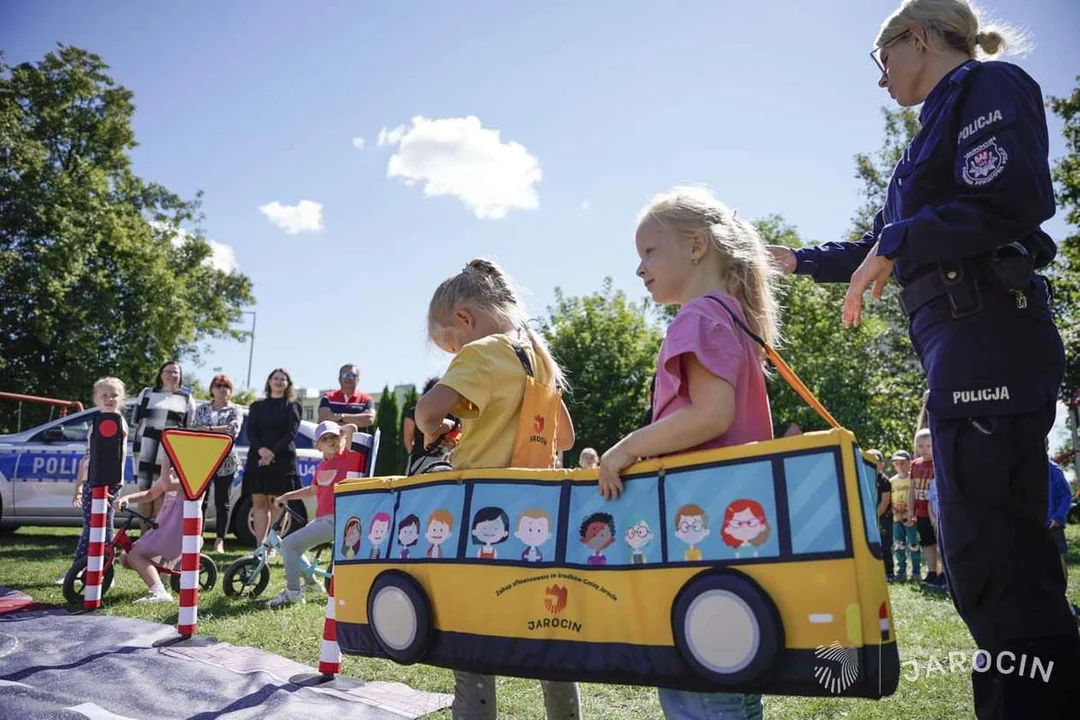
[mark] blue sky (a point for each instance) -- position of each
(609, 102)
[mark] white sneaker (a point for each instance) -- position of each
(286, 597)
(155, 597)
(315, 585)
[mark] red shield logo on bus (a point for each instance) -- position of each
(538, 424)
(555, 599)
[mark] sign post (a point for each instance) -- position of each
(196, 456)
(106, 468)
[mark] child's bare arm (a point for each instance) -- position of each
(288, 497)
(433, 408)
(709, 414)
(564, 436)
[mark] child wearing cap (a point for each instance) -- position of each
(334, 442)
(905, 536)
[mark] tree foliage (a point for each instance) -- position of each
(607, 345)
(386, 419)
(103, 273)
(1065, 272)
(411, 398)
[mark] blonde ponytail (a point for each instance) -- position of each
(956, 24)
(746, 268)
(485, 287)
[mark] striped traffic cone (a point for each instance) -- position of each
(189, 569)
(330, 656)
(95, 557)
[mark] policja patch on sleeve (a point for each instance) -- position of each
(984, 163)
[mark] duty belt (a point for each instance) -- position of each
(949, 279)
(961, 285)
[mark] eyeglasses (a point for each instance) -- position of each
(348, 376)
(875, 54)
(638, 530)
(686, 526)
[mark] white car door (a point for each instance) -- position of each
(47, 468)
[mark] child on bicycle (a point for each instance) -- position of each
(108, 398)
(334, 441)
(164, 541)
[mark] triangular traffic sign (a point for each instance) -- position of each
(196, 457)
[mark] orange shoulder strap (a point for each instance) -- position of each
(783, 368)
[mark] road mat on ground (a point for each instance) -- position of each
(74, 666)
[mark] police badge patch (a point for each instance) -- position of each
(984, 162)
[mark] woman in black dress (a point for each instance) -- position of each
(270, 468)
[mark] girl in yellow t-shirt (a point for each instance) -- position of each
(476, 316)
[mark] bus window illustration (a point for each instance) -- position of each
(377, 532)
(533, 530)
(491, 526)
(745, 526)
(351, 541)
(597, 533)
(638, 537)
(691, 526)
(408, 534)
(439, 526)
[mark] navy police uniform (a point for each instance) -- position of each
(961, 221)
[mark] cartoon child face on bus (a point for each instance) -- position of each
(408, 534)
(351, 542)
(745, 526)
(533, 529)
(597, 532)
(377, 532)
(489, 528)
(638, 537)
(439, 526)
(691, 526)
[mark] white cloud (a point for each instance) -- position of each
(358, 143)
(222, 257)
(585, 205)
(304, 216)
(390, 137)
(459, 157)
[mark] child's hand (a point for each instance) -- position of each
(119, 504)
(76, 500)
(281, 501)
(443, 429)
(614, 461)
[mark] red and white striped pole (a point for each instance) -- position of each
(330, 655)
(95, 557)
(189, 569)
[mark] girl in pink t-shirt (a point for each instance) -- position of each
(710, 379)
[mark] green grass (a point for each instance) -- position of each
(927, 626)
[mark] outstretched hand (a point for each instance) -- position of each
(783, 258)
(873, 272)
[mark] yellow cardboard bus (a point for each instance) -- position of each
(749, 568)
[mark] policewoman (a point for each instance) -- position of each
(960, 234)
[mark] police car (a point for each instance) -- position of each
(38, 468)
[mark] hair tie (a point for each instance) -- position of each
(980, 37)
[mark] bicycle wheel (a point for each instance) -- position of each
(207, 575)
(244, 576)
(75, 582)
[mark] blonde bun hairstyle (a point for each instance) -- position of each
(955, 24)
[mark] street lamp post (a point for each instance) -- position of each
(251, 351)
